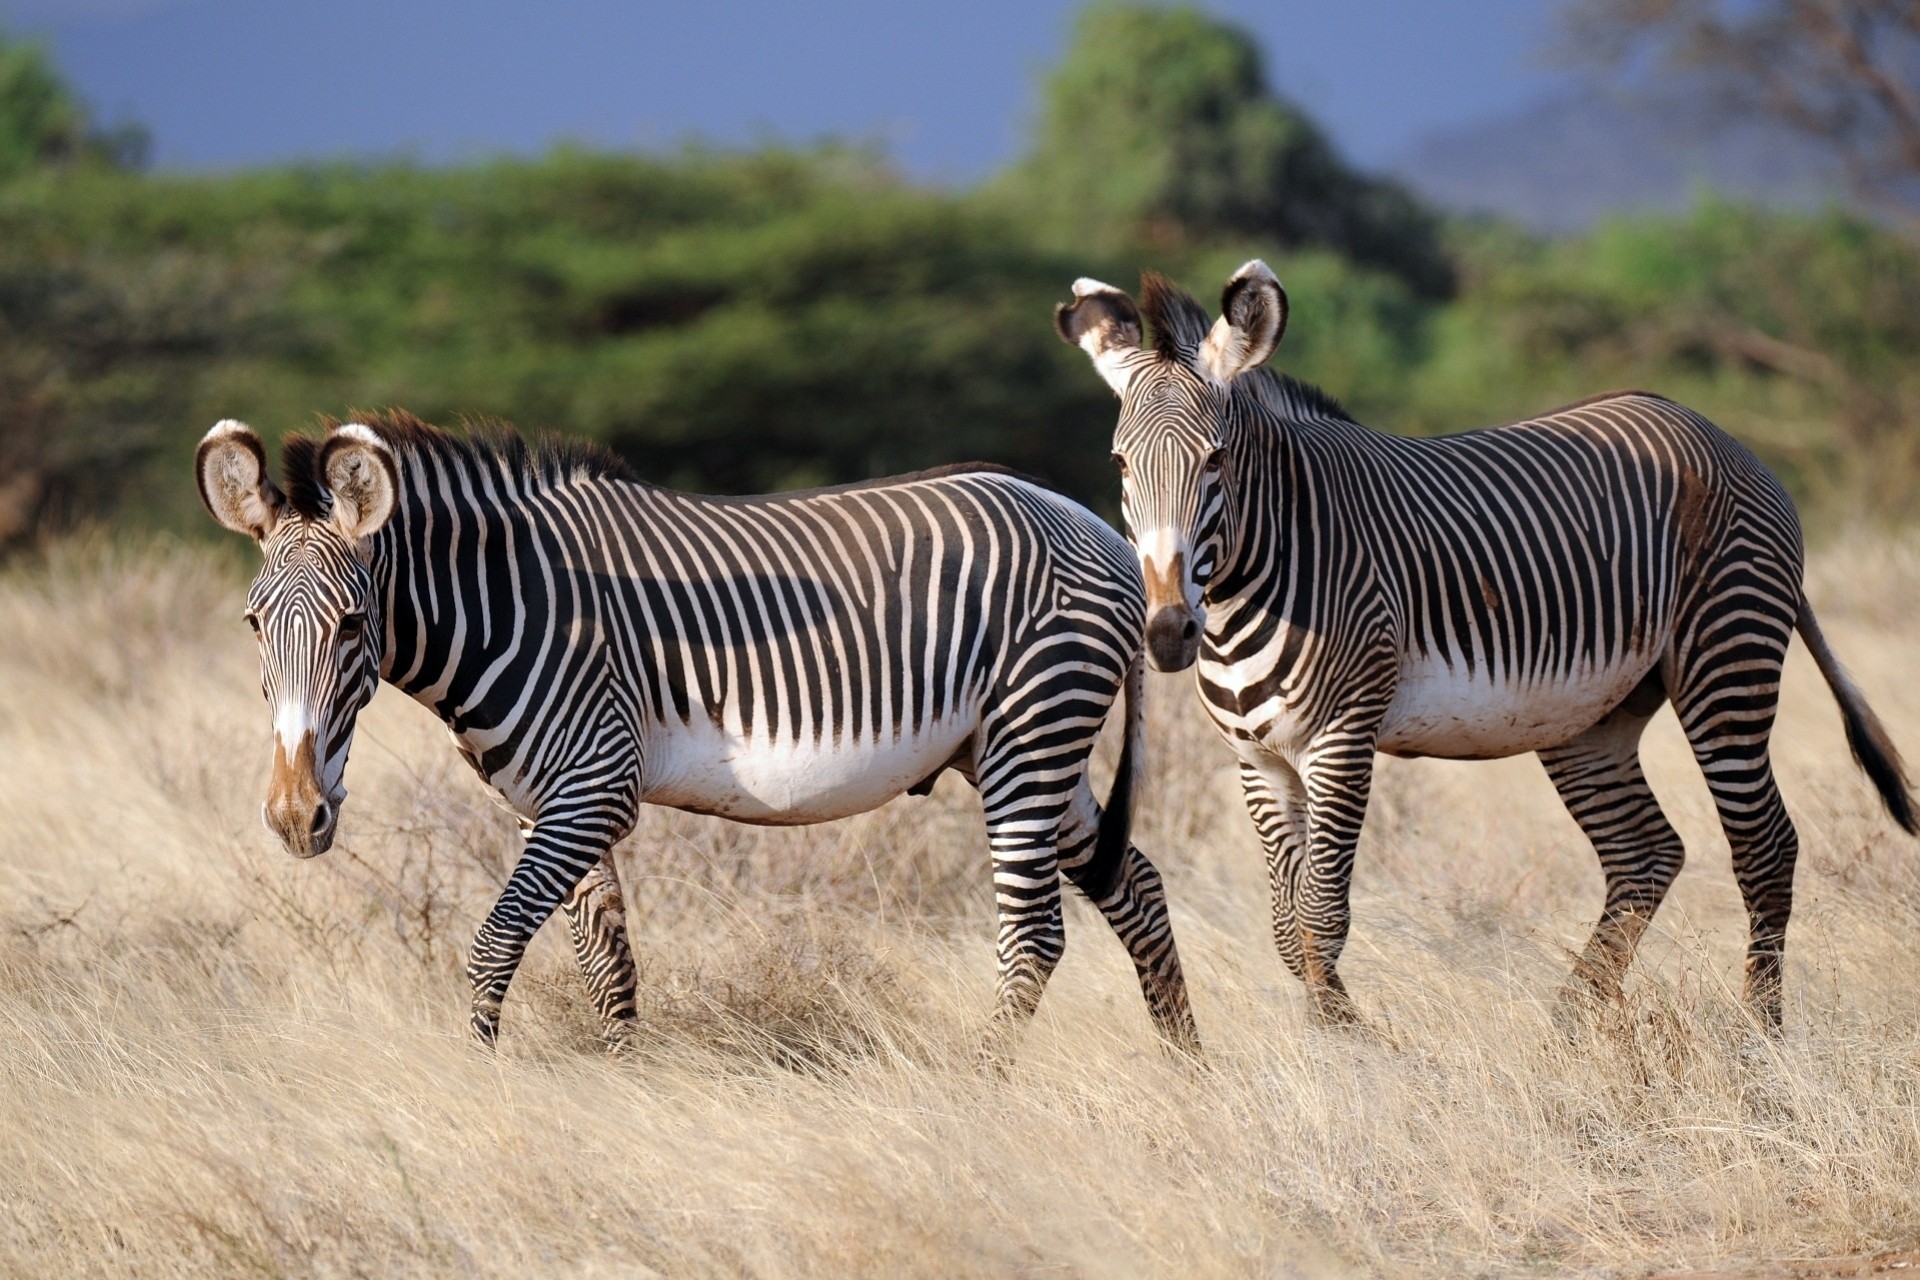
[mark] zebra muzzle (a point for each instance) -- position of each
(1173, 638)
(297, 809)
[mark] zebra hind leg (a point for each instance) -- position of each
(597, 922)
(1728, 718)
(1023, 814)
(1599, 778)
(1128, 892)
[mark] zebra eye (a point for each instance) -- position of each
(1215, 459)
(253, 620)
(1120, 461)
(351, 624)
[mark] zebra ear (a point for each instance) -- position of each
(1102, 321)
(231, 466)
(357, 467)
(1253, 315)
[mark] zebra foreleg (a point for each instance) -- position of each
(1277, 803)
(1599, 778)
(1130, 896)
(563, 847)
(1337, 776)
(597, 920)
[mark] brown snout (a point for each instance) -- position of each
(297, 809)
(1173, 628)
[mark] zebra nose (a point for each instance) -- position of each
(1173, 638)
(322, 818)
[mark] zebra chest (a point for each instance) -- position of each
(708, 768)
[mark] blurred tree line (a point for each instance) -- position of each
(750, 321)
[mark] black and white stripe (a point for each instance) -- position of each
(595, 644)
(1541, 587)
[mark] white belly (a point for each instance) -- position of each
(1439, 710)
(706, 769)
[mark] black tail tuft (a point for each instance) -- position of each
(1872, 748)
(1882, 764)
(1115, 836)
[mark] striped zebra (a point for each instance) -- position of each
(1544, 586)
(595, 643)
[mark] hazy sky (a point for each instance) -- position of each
(945, 88)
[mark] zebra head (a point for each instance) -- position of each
(1173, 442)
(312, 607)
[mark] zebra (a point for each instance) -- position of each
(1541, 587)
(595, 643)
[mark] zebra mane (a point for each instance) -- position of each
(544, 460)
(1180, 325)
(1178, 321)
(300, 477)
(1287, 397)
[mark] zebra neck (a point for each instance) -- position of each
(449, 567)
(1288, 517)
(1264, 462)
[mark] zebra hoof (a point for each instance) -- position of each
(1186, 1049)
(485, 1026)
(991, 1061)
(1334, 1011)
(620, 1038)
(1580, 1012)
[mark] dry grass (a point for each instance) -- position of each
(214, 1059)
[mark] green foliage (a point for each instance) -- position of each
(740, 323)
(1159, 129)
(744, 322)
(43, 123)
(1797, 332)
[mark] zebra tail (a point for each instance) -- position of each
(1116, 818)
(1872, 748)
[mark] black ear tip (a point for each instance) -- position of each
(1063, 321)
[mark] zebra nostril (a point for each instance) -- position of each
(322, 818)
(1189, 631)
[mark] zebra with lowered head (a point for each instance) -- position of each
(595, 643)
(1545, 586)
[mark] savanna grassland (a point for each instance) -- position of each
(216, 1060)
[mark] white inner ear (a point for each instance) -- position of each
(1229, 352)
(1223, 356)
(235, 488)
(362, 487)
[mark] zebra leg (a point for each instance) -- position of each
(1031, 937)
(1024, 813)
(1128, 892)
(1728, 727)
(564, 846)
(597, 921)
(1725, 677)
(1765, 849)
(1599, 778)
(1277, 803)
(1337, 775)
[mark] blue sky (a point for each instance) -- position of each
(946, 89)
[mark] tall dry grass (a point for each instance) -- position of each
(217, 1060)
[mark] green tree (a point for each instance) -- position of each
(43, 122)
(1159, 129)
